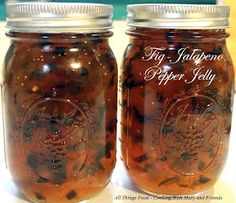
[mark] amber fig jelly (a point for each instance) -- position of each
(59, 93)
(177, 88)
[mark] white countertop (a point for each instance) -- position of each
(120, 186)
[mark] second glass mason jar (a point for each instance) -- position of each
(60, 98)
(177, 88)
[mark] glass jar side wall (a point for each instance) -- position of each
(176, 109)
(60, 114)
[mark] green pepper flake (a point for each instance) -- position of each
(133, 83)
(59, 175)
(81, 147)
(167, 129)
(216, 51)
(138, 138)
(203, 180)
(76, 167)
(101, 114)
(143, 169)
(72, 194)
(141, 158)
(92, 170)
(201, 166)
(100, 151)
(211, 153)
(186, 156)
(108, 148)
(168, 181)
(38, 74)
(53, 126)
(84, 72)
(32, 160)
(60, 51)
(95, 167)
(138, 115)
(71, 148)
(40, 123)
(100, 166)
(110, 127)
(68, 121)
(42, 180)
(28, 130)
(163, 159)
(77, 148)
(170, 37)
(76, 87)
(39, 196)
(159, 98)
(179, 67)
(84, 173)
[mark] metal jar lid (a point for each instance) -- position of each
(178, 16)
(59, 17)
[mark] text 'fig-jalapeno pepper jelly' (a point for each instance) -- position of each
(177, 86)
(60, 87)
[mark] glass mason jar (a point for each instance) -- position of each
(60, 98)
(177, 88)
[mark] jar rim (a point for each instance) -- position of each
(58, 17)
(178, 16)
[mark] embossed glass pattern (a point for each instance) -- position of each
(177, 90)
(60, 114)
